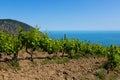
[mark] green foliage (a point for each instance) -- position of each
(11, 44)
(11, 26)
(49, 45)
(65, 44)
(15, 64)
(31, 40)
(113, 57)
(99, 50)
(61, 60)
(101, 74)
(112, 78)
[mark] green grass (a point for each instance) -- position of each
(14, 64)
(101, 74)
(112, 78)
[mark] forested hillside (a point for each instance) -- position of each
(9, 25)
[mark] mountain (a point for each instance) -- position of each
(11, 26)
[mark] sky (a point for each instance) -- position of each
(59, 15)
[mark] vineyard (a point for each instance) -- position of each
(33, 40)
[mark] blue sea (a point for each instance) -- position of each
(102, 37)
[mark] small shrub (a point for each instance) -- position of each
(112, 78)
(113, 58)
(14, 64)
(101, 75)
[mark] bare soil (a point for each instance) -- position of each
(76, 69)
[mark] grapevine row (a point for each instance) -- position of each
(11, 44)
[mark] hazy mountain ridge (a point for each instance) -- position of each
(9, 25)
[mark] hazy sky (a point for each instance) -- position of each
(64, 14)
